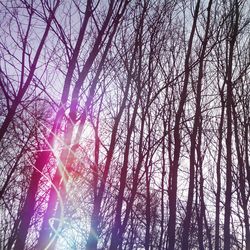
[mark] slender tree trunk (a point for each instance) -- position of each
(95, 216)
(163, 174)
(198, 208)
(197, 121)
(218, 174)
(115, 239)
(148, 207)
(177, 140)
(229, 101)
(247, 225)
(28, 209)
(242, 178)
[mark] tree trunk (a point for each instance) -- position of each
(197, 124)
(229, 70)
(177, 141)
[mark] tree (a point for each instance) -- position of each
(194, 134)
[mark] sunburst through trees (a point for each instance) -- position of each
(124, 124)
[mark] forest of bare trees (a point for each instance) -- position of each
(124, 124)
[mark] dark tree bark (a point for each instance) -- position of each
(177, 139)
(197, 124)
(218, 170)
(116, 237)
(229, 100)
(244, 197)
